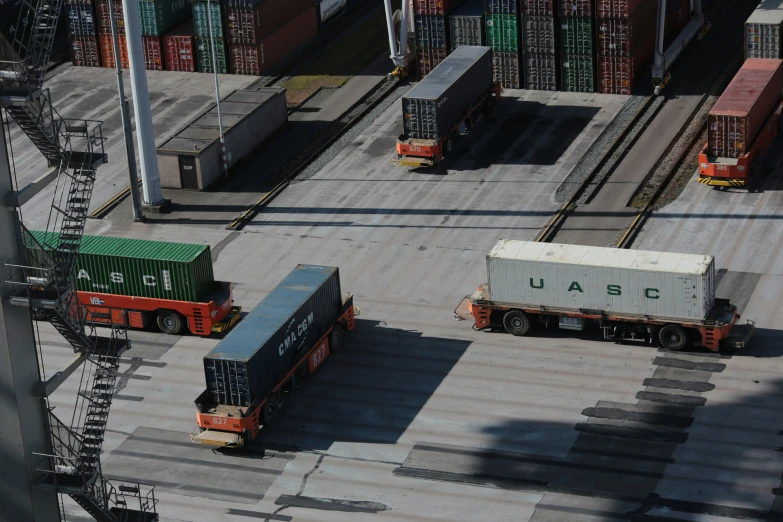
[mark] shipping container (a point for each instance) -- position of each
(180, 48)
(107, 51)
(158, 17)
(540, 71)
(252, 26)
(538, 7)
(81, 20)
(431, 31)
(622, 9)
(538, 34)
(204, 56)
(428, 59)
(85, 51)
(503, 33)
(576, 35)
(434, 7)
(257, 59)
(577, 73)
(616, 74)
(575, 277)
(435, 104)
(505, 69)
(201, 20)
(631, 38)
(136, 267)
(466, 25)
(249, 362)
(103, 15)
(763, 31)
(744, 107)
(328, 9)
(579, 8)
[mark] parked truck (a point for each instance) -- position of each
(630, 294)
(134, 282)
(446, 104)
(284, 339)
(742, 124)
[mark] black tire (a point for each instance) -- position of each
(170, 322)
(674, 337)
(271, 407)
(335, 339)
(516, 322)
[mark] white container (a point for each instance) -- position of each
(627, 282)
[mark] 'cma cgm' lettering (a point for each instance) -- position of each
(118, 278)
(294, 332)
(649, 293)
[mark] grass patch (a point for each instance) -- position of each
(345, 58)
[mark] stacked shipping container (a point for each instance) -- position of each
(576, 45)
(502, 19)
(82, 33)
(539, 45)
(431, 28)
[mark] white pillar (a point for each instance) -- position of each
(148, 161)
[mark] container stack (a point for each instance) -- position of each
(260, 33)
(577, 45)
(625, 42)
(502, 19)
(431, 27)
(202, 34)
(539, 45)
(82, 33)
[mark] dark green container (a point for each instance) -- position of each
(201, 20)
(158, 17)
(204, 55)
(503, 33)
(576, 35)
(577, 73)
(135, 267)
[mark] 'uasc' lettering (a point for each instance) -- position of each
(294, 332)
(614, 290)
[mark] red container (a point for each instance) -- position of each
(252, 26)
(435, 7)
(107, 51)
(428, 59)
(634, 37)
(616, 74)
(85, 51)
(538, 7)
(153, 53)
(583, 8)
(621, 8)
(179, 48)
(743, 108)
(257, 59)
(104, 21)
(152, 46)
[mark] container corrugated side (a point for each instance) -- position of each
(180, 48)
(540, 71)
(85, 51)
(577, 73)
(580, 8)
(503, 33)
(621, 8)
(251, 26)
(263, 348)
(505, 69)
(740, 113)
(431, 31)
(204, 56)
(538, 34)
(81, 20)
(158, 17)
(576, 35)
(434, 7)
(574, 277)
(428, 59)
(538, 7)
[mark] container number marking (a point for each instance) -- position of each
(219, 420)
(319, 355)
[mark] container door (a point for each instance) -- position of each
(187, 173)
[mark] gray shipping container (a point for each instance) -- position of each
(573, 277)
(432, 107)
(763, 31)
(540, 71)
(538, 34)
(467, 25)
(247, 364)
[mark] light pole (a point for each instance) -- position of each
(217, 88)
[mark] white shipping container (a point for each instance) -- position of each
(634, 282)
(329, 8)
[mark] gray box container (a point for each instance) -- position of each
(247, 364)
(540, 71)
(191, 159)
(432, 107)
(763, 31)
(538, 34)
(573, 277)
(467, 25)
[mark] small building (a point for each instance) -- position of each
(191, 159)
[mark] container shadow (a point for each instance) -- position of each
(369, 392)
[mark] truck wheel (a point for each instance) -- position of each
(335, 338)
(674, 337)
(270, 410)
(170, 322)
(516, 322)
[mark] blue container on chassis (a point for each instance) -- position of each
(248, 363)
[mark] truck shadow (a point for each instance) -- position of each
(368, 392)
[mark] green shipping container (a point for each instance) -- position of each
(201, 20)
(159, 17)
(577, 73)
(136, 267)
(204, 56)
(576, 35)
(503, 33)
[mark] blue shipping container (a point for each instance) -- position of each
(248, 363)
